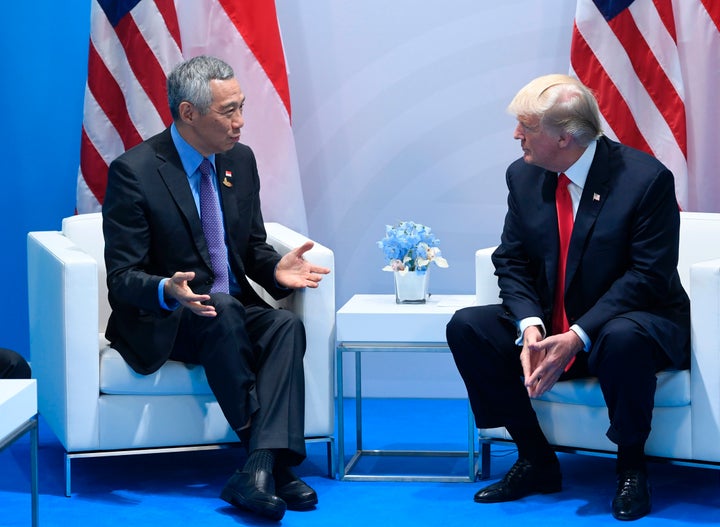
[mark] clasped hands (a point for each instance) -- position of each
(545, 359)
(292, 271)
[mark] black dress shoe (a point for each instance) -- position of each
(297, 494)
(522, 480)
(632, 498)
(254, 491)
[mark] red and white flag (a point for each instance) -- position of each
(653, 65)
(133, 46)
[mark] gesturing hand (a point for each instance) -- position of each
(295, 272)
(177, 288)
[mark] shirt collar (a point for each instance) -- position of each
(189, 157)
(578, 172)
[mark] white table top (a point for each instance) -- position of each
(377, 318)
(18, 403)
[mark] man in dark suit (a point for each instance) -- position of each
(179, 291)
(625, 314)
(13, 365)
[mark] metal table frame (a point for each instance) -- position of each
(345, 470)
(30, 426)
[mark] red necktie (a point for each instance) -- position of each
(564, 206)
(563, 203)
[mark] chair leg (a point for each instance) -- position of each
(331, 458)
(67, 475)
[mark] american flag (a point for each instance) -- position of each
(654, 66)
(133, 46)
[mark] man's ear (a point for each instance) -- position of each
(186, 112)
(564, 140)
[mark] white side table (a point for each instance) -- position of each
(372, 323)
(18, 408)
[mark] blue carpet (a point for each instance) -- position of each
(182, 489)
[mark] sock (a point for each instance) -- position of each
(532, 444)
(261, 459)
(631, 457)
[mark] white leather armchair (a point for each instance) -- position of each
(686, 419)
(96, 404)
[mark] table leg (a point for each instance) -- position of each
(340, 413)
(34, 490)
(358, 400)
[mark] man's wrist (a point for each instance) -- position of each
(166, 302)
(586, 343)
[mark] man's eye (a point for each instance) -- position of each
(231, 111)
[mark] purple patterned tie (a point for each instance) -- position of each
(212, 225)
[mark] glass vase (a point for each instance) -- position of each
(411, 287)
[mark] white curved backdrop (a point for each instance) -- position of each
(399, 114)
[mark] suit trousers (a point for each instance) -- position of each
(624, 358)
(253, 360)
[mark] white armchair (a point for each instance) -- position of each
(97, 405)
(686, 419)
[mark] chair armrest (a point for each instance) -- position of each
(316, 308)
(486, 285)
(64, 339)
(705, 359)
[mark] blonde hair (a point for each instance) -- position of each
(561, 103)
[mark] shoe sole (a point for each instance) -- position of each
(549, 490)
(301, 505)
(267, 510)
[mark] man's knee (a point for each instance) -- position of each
(461, 321)
(472, 323)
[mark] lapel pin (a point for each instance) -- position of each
(227, 180)
(596, 197)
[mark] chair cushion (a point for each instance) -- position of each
(173, 378)
(673, 389)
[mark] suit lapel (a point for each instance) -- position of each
(548, 216)
(176, 181)
(228, 197)
(591, 202)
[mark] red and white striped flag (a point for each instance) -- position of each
(653, 65)
(133, 46)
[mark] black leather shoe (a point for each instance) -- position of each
(632, 497)
(255, 492)
(522, 480)
(298, 495)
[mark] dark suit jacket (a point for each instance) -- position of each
(152, 229)
(623, 254)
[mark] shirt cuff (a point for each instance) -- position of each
(526, 323)
(169, 306)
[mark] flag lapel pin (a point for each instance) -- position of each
(227, 180)
(596, 197)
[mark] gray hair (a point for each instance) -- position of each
(189, 81)
(561, 103)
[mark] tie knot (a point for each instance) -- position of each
(563, 180)
(205, 167)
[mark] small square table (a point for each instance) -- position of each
(18, 411)
(372, 323)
